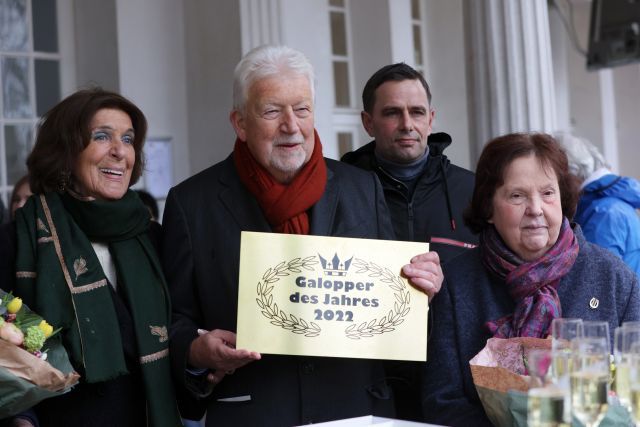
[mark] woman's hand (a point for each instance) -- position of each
(216, 350)
(424, 272)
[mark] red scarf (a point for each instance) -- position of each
(284, 205)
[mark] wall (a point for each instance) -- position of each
(305, 27)
(151, 53)
(67, 46)
(604, 106)
(96, 44)
(371, 41)
(213, 48)
(627, 94)
(584, 87)
(446, 77)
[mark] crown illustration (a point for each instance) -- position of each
(335, 267)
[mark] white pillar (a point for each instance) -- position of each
(401, 31)
(609, 119)
(511, 74)
(260, 23)
(561, 45)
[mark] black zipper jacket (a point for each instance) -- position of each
(434, 212)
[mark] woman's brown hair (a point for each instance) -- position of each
(64, 133)
(498, 154)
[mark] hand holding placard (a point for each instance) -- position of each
(216, 350)
(424, 272)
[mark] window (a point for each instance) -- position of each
(341, 57)
(30, 78)
(417, 26)
(345, 143)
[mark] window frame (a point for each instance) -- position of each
(65, 35)
(348, 58)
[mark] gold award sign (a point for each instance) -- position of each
(330, 296)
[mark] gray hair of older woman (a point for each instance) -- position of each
(584, 157)
(266, 61)
(496, 157)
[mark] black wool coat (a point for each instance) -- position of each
(203, 219)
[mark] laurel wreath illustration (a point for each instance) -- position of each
(298, 325)
(270, 309)
(396, 315)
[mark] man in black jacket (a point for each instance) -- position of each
(276, 180)
(425, 193)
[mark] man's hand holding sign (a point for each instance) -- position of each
(424, 272)
(308, 295)
(216, 350)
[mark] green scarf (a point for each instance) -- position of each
(59, 276)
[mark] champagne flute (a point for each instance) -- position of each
(563, 331)
(625, 338)
(596, 329)
(590, 379)
(621, 380)
(600, 329)
(634, 381)
(546, 401)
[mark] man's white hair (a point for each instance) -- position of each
(266, 61)
(584, 158)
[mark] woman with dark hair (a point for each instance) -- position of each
(83, 258)
(20, 194)
(532, 265)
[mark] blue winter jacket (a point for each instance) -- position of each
(607, 214)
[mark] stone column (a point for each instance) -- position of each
(510, 70)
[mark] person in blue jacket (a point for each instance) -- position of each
(608, 202)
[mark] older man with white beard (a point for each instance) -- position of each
(276, 180)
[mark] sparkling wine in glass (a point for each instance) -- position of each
(625, 338)
(545, 407)
(635, 403)
(563, 331)
(546, 401)
(596, 329)
(589, 380)
(634, 381)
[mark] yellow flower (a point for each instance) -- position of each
(14, 305)
(46, 328)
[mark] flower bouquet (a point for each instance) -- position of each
(500, 374)
(33, 363)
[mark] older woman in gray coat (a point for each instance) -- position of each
(532, 265)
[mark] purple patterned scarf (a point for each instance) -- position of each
(532, 285)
